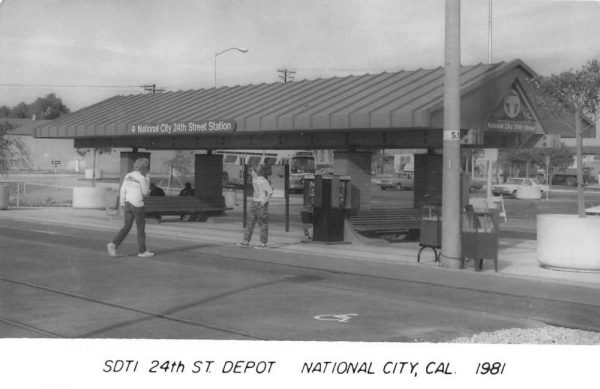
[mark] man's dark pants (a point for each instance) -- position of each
(132, 213)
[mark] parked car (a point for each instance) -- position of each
(595, 211)
(475, 186)
(398, 181)
(509, 188)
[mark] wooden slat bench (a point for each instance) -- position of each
(198, 209)
(386, 220)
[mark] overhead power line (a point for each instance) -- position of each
(17, 85)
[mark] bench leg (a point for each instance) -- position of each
(435, 253)
(478, 264)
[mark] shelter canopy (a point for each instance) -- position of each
(401, 109)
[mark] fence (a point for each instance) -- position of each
(28, 194)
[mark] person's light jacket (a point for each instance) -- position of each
(135, 187)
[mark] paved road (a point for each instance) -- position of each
(58, 282)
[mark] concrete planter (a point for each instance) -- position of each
(88, 197)
(568, 242)
(89, 174)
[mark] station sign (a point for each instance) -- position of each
(183, 128)
(513, 115)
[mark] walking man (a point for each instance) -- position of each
(259, 209)
(136, 185)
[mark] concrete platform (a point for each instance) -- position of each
(517, 257)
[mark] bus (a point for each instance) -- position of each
(300, 163)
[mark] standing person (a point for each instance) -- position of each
(136, 185)
(259, 209)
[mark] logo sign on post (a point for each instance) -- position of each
(512, 115)
(183, 128)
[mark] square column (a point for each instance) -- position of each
(208, 180)
(357, 165)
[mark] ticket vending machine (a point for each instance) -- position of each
(327, 196)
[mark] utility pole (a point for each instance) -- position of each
(451, 234)
(152, 88)
(286, 74)
(490, 33)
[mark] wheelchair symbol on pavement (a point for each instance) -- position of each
(342, 318)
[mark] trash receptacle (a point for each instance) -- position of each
(230, 197)
(480, 236)
(431, 229)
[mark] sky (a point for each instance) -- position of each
(86, 51)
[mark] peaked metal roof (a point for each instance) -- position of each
(394, 100)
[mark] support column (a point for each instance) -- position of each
(357, 165)
(428, 179)
(451, 234)
(208, 180)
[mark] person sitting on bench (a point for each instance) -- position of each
(155, 191)
(186, 191)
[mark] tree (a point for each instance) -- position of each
(4, 111)
(20, 111)
(96, 151)
(44, 108)
(48, 108)
(183, 161)
(6, 150)
(575, 92)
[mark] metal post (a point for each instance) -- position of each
(490, 34)
(245, 188)
(451, 244)
(286, 192)
(94, 170)
(580, 196)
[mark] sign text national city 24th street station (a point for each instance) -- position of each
(177, 128)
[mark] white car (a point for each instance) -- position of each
(398, 181)
(509, 188)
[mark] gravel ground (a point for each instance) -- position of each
(540, 335)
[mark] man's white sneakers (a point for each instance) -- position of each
(146, 254)
(112, 250)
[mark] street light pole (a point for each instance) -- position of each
(240, 49)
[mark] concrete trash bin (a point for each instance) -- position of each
(88, 197)
(89, 174)
(4, 197)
